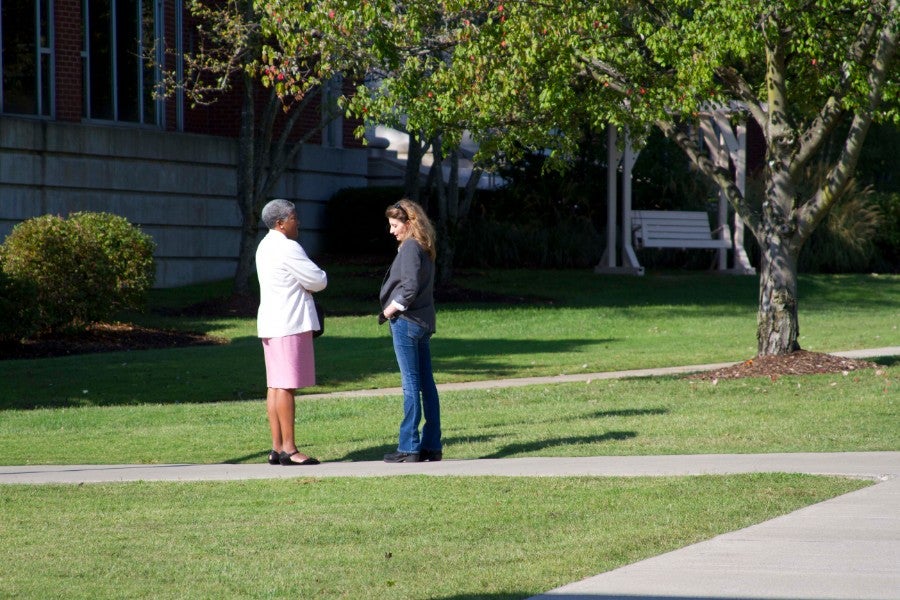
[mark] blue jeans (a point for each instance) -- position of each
(420, 396)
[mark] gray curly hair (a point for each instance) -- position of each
(277, 210)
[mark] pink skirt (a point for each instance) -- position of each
(290, 362)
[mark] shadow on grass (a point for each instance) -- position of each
(361, 357)
(236, 371)
(256, 456)
(886, 361)
(510, 450)
(628, 412)
(367, 454)
(378, 452)
(496, 596)
(576, 596)
(836, 292)
(521, 448)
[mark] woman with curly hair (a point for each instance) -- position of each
(407, 300)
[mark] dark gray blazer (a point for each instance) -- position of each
(410, 282)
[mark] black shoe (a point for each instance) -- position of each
(430, 455)
(398, 457)
(286, 461)
(274, 458)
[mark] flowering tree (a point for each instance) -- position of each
(810, 72)
(403, 59)
(228, 56)
(530, 73)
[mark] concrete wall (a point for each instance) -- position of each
(179, 188)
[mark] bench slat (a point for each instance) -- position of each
(686, 244)
(674, 229)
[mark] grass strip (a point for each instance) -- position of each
(666, 415)
(382, 538)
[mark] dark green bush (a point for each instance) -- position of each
(355, 223)
(81, 270)
(68, 270)
(356, 226)
(569, 243)
(18, 314)
(887, 239)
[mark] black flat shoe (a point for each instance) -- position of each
(274, 458)
(286, 461)
(399, 457)
(429, 455)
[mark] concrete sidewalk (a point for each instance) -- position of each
(869, 465)
(847, 548)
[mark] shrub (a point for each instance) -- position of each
(80, 270)
(887, 239)
(859, 234)
(18, 314)
(66, 268)
(569, 243)
(355, 223)
(129, 252)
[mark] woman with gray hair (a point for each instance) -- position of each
(285, 322)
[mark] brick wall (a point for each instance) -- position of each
(221, 118)
(178, 186)
(67, 31)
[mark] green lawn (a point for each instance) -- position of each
(570, 322)
(666, 415)
(426, 537)
(379, 538)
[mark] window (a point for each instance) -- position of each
(120, 69)
(332, 121)
(26, 42)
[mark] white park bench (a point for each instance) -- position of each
(676, 229)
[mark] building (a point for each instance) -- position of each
(81, 129)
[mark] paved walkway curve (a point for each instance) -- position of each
(846, 548)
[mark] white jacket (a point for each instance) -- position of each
(286, 278)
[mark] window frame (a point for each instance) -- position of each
(140, 77)
(45, 107)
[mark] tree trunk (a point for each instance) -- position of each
(777, 325)
(260, 165)
(411, 180)
(445, 249)
(246, 193)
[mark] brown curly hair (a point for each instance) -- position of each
(420, 227)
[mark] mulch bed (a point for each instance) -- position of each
(105, 337)
(800, 362)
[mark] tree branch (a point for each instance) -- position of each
(831, 113)
(836, 179)
(596, 69)
(722, 177)
(736, 83)
(285, 151)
